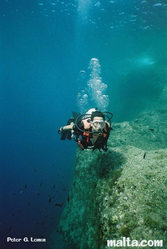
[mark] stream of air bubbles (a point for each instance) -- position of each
(94, 93)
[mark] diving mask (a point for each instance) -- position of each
(98, 124)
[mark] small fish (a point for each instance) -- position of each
(50, 199)
(9, 229)
(41, 184)
(26, 186)
(59, 205)
(40, 4)
(28, 203)
(68, 199)
(151, 129)
(157, 4)
(45, 208)
(13, 214)
(38, 194)
(144, 155)
(35, 170)
(54, 186)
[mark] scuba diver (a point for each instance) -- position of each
(90, 130)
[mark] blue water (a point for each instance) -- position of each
(44, 47)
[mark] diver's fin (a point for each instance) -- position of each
(69, 135)
(63, 136)
(75, 115)
(66, 135)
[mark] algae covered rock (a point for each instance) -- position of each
(122, 193)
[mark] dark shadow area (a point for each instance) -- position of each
(109, 165)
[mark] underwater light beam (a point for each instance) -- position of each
(83, 9)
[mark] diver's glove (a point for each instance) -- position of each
(103, 150)
(60, 130)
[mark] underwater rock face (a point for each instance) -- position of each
(122, 193)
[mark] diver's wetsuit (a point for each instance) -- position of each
(86, 139)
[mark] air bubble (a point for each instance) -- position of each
(94, 94)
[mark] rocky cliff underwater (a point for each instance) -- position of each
(122, 193)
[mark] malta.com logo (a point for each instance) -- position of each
(126, 242)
